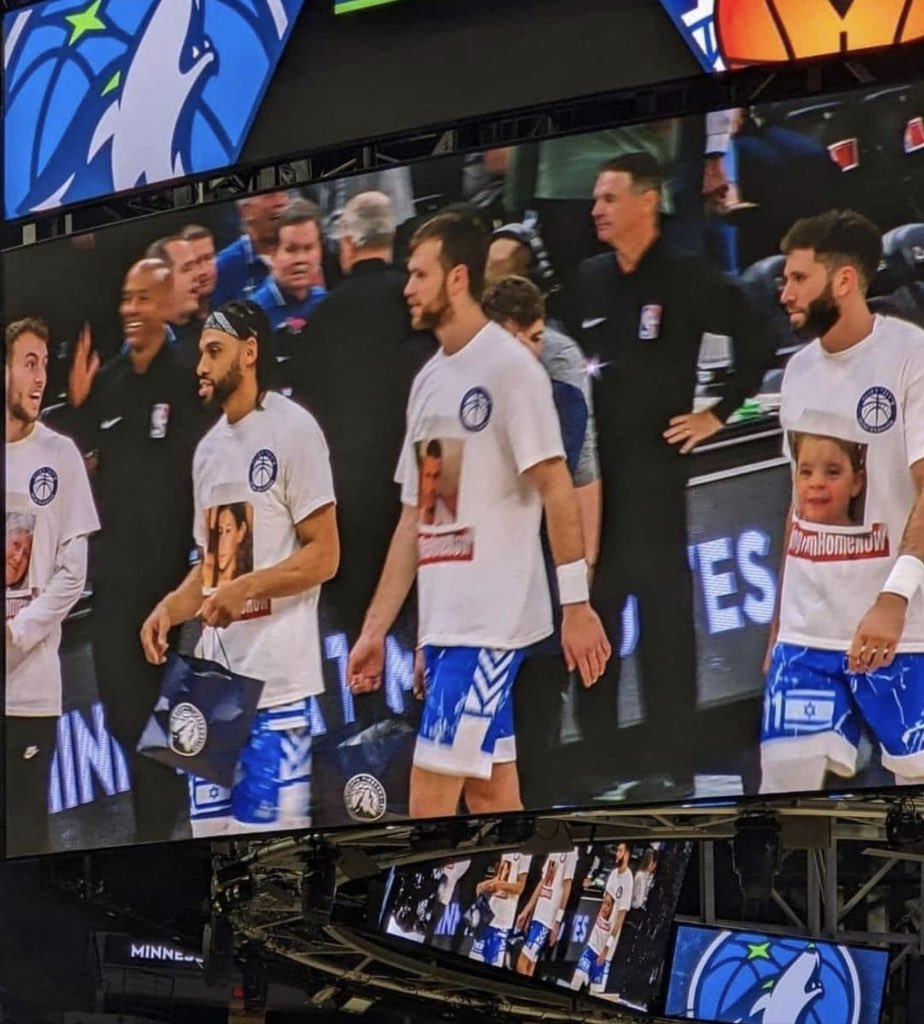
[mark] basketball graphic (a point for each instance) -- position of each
(43, 485)
(264, 468)
(475, 409)
(773, 31)
(876, 410)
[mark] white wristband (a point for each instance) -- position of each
(559, 917)
(906, 577)
(572, 582)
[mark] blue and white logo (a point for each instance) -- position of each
(695, 19)
(264, 468)
(43, 485)
(760, 979)
(475, 409)
(877, 410)
(105, 95)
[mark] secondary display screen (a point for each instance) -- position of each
(595, 919)
(720, 975)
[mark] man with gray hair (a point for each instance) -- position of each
(361, 337)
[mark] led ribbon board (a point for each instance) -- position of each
(101, 96)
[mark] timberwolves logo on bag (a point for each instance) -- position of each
(105, 95)
(189, 730)
(475, 409)
(756, 979)
(364, 798)
(264, 468)
(877, 410)
(43, 485)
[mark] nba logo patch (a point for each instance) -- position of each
(649, 323)
(160, 417)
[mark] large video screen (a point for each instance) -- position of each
(102, 98)
(721, 975)
(197, 641)
(594, 919)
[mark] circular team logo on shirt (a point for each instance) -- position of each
(475, 410)
(264, 468)
(43, 485)
(188, 730)
(364, 798)
(877, 410)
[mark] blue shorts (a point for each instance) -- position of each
(814, 706)
(536, 938)
(467, 722)
(597, 974)
(272, 787)
(491, 947)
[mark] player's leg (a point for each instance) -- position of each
(465, 688)
(599, 977)
(583, 969)
(891, 701)
(810, 725)
(535, 942)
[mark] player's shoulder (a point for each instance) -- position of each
(500, 350)
(902, 334)
(287, 413)
(598, 267)
(232, 251)
(56, 446)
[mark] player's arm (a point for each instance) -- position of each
(316, 561)
(366, 661)
(560, 913)
(610, 945)
(180, 605)
(31, 625)
(583, 638)
(526, 914)
(881, 628)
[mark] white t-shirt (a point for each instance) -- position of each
(616, 896)
(513, 867)
(482, 417)
(871, 398)
(558, 869)
(253, 482)
(48, 504)
(450, 879)
(641, 887)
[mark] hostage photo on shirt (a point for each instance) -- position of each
(439, 464)
(229, 528)
(20, 533)
(829, 479)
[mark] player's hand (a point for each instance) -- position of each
(420, 675)
(771, 643)
(692, 428)
(522, 922)
(366, 664)
(601, 959)
(879, 632)
(225, 605)
(554, 932)
(482, 887)
(154, 632)
(715, 180)
(84, 369)
(584, 642)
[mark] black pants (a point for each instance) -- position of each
(30, 746)
(128, 687)
(647, 558)
(538, 696)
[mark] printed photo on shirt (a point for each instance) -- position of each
(439, 464)
(229, 551)
(829, 479)
(20, 534)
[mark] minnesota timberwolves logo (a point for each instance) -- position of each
(104, 95)
(475, 409)
(43, 485)
(188, 730)
(364, 798)
(264, 468)
(877, 410)
(756, 979)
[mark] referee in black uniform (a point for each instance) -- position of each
(644, 310)
(137, 420)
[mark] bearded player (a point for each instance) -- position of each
(544, 913)
(849, 590)
(593, 966)
(269, 455)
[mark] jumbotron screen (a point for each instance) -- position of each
(201, 495)
(721, 975)
(594, 919)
